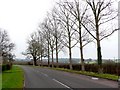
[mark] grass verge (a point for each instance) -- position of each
(0, 81)
(13, 78)
(104, 76)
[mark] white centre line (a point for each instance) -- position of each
(62, 84)
(46, 75)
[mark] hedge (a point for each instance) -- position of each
(107, 68)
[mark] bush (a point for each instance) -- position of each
(6, 67)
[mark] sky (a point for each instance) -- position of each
(21, 17)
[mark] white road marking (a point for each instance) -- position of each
(94, 78)
(46, 75)
(62, 84)
(56, 80)
(24, 81)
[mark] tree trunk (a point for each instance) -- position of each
(52, 59)
(100, 70)
(69, 47)
(70, 53)
(48, 55)
(82, 59)
(57, 52)
(70, 58)
(41, 60)
(81, 48)
(35, 63)
(81, 52)
(99, 56)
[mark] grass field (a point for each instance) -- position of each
(13, 78)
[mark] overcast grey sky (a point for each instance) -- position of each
(21, 17)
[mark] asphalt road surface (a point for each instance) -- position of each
(36, 77)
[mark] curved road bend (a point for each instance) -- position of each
(46, 78)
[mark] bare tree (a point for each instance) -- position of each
(100, 14)
(35, 47)
(52, 41)
(53, 34)
(44, 27)
(6, 46)
(43, 49)
(48, 29)
(80, 14)
(66, 20)
(56, 32)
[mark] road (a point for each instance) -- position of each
(36, 77)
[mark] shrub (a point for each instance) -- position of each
(6, 67)
(9, 66)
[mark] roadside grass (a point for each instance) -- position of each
(0, 81)
(104, 76)
(13, 78)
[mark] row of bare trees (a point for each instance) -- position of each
(6, 47)
(71, 23)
